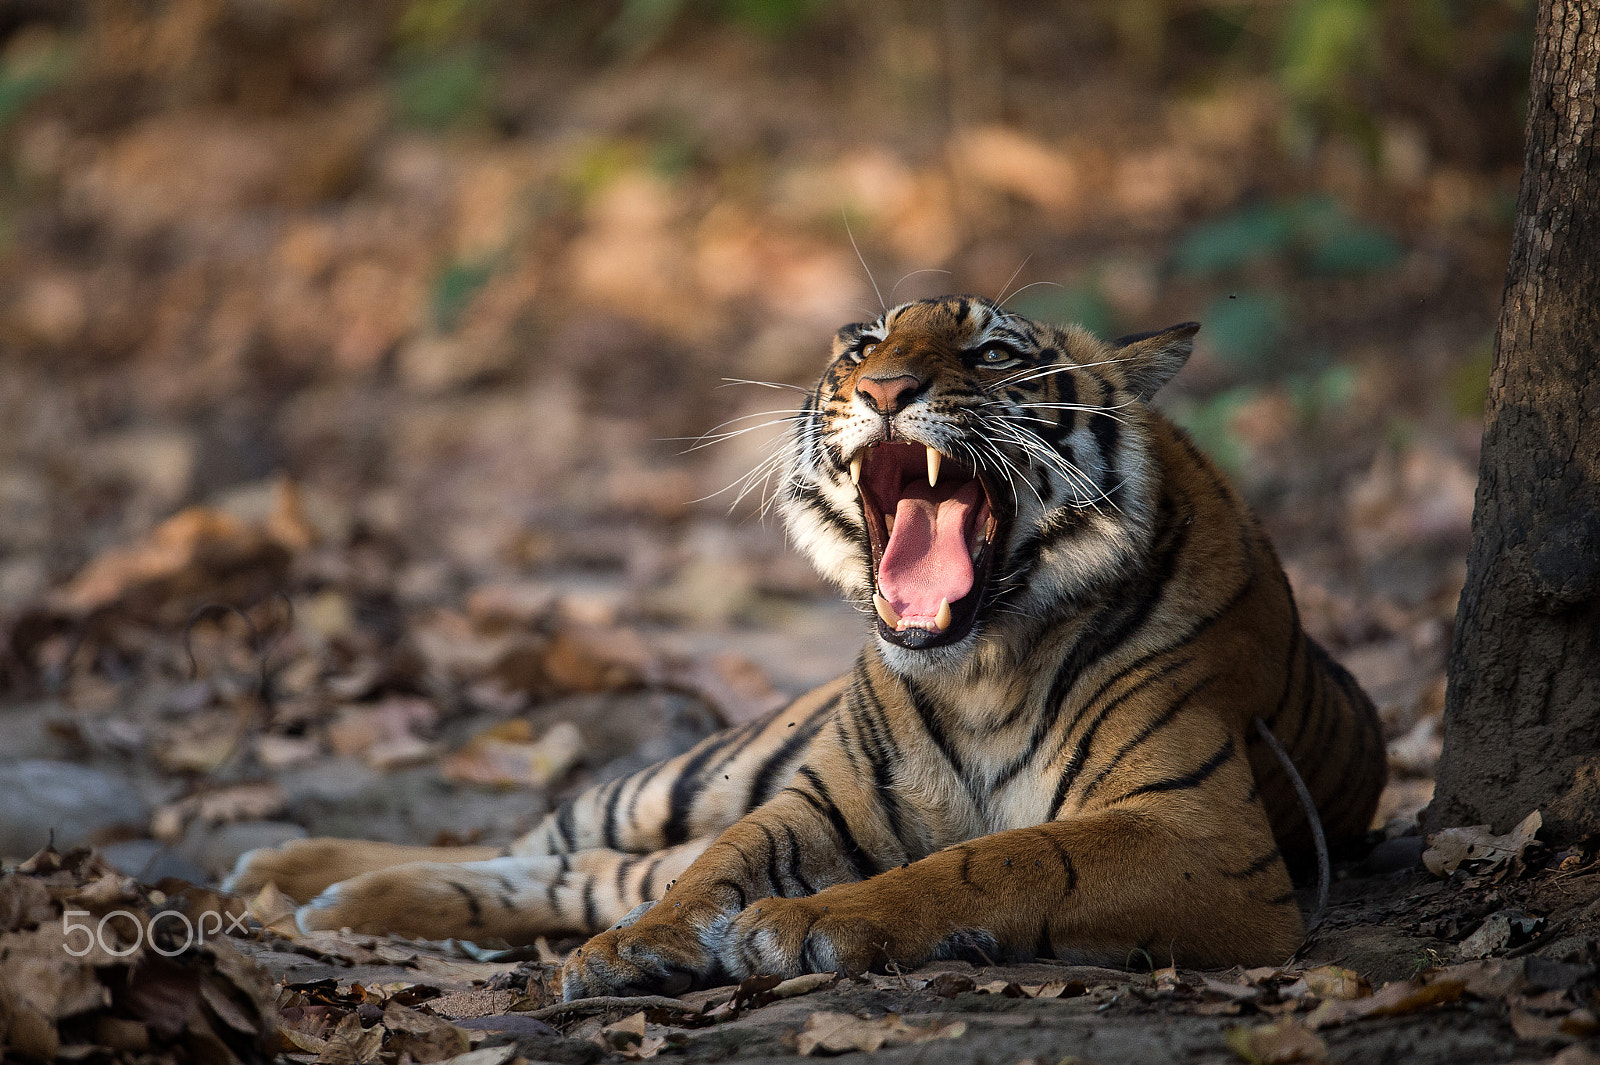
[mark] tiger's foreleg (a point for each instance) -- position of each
(800, 843)
(510, 898)
(1098, 888)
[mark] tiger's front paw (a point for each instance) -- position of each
(818, 934)
(666, 957)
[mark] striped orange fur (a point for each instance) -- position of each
(1046, 747)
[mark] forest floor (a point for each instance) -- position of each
(347, 488)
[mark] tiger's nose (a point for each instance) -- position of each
(888, 395)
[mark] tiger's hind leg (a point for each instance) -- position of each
(508, 898)
(663, 809)
(304, 868)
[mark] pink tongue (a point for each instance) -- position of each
(926, 559)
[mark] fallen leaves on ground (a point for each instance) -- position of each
(840, 1033)
(507, 755)
(1452, 848)
(93, 964)
(1278, 1043)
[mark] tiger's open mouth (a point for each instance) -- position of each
(933, 525)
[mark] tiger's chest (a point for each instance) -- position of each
(974, 773)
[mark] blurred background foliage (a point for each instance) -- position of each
(465, 269)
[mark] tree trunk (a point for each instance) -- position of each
(1522, 715)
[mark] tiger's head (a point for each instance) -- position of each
(971, 473)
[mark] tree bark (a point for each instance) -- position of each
(1522, 713)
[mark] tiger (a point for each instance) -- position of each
(1056, 741)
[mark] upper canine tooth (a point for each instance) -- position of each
(885, 611)
(934, 459)
(941, 620)
(855, 469)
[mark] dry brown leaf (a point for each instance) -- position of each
(1406, 996)
(274, 911)
(1283, 1041)
(486, 1056)
(391, 723)
(839, 1033)
(1333, 982)
(24, 902)
(1491, 978)
(628, 1038)
(1448, 849)
(804, 985)
(183, 554)
(350, 1044)
(1004, 988)
(582, 658)
(490, 759)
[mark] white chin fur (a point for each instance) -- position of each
(936, 660)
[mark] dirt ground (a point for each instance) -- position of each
(352, 368)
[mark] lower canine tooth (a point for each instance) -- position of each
(941, 620)
(885, 611)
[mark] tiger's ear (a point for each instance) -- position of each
(1149, 360)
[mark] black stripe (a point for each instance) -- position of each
(1188, 780)
(928, 714)
(860, 862)
(474, 911)
(764, 782)
(640, 781)
(1104, 428)
(1256, 866)
(1128, 607)
(1308, 697)
(738, 889)
(687, 788)
(847, 745)
(1080, 753)
(591, 914)
(773, 876)
(962, 870)
(622, 877)
(608, 818)
(647, 887)
(1069, 870)
(1144, 734)
(1295, 639)
(795, 870)
(814, 499)
(880, 749)
(566, 824)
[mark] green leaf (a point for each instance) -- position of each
(453, 291)
(1081, 303)
(1245, 328)
(1234, 241)
(442, 91)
